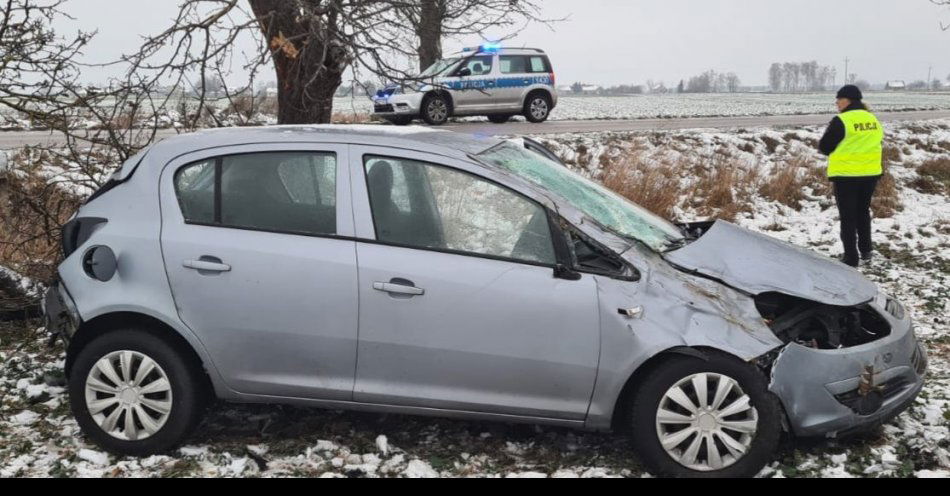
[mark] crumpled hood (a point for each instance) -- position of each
(756, 263)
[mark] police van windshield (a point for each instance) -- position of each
(606, 207)
(440, 67)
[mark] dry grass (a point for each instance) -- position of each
(936, 171)
(31, 213)
(350, 118)
(656, 187)
(886, 201)
(721, 189)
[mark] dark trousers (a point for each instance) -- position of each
(854, 204)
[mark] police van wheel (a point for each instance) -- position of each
(435, 110)
(537, 108)
(499, 118)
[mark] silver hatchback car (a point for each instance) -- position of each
(488, 80)
(427, 272)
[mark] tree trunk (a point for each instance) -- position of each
(308, 63)
(429, 31)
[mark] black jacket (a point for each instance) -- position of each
(833, 137)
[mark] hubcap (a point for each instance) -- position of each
(539, 108)
(706, 422)
(128, 395)
(438, 110)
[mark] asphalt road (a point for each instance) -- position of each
(16, 139)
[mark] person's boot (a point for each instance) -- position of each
(850, 260)
(867, 257)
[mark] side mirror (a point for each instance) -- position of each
(465, 72)
(561, 271)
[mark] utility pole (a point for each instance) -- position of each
(930, 81)
(846, 73)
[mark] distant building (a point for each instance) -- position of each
(895, 86)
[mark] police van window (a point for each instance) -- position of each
(478, 65)
(540, 64)
(521, 64)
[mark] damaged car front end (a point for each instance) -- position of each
(849, 360)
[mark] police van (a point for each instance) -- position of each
(488, 80)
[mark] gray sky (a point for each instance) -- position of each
(630, 41)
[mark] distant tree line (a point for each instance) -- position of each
(711, 82)
(791, 77)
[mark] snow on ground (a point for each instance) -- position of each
(38, 437)
(571, 107)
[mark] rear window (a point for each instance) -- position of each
(524, 64)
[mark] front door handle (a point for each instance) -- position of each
(399, 287)
(207, 264)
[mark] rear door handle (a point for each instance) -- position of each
(398, 289)
(207, 265)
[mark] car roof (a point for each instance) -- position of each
(419, 138)
(475, 51)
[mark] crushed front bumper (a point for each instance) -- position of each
(838, 392)
(60, 313)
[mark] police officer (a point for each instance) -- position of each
(853, 144)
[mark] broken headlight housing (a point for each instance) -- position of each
(895, 308)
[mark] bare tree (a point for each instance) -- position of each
(434, 20)
(943, 3)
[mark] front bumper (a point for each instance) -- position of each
(398, 105)
(60, 313)
(837, 392)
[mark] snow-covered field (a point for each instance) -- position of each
(38, 437)
(708, 105)
(572, 107)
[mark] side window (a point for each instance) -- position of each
(513, 64)
(194, 186)
(540, 64)
(292, 192)
(479, 66)
(442, 208)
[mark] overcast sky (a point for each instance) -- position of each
(629, 41)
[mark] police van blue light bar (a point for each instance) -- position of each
(490, 47)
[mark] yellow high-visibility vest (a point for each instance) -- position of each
(860, 153)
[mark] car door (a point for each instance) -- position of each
(475, 91)
(459, 306)
(518, 74)
(252, 238)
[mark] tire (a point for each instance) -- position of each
(400, 120)
(645, 427)
(537, 108)
(436, 109)
(183, 398)
(499, 118)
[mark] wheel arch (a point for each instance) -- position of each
(629, 389)
(115, 321)
(439, 92)
(534, 91)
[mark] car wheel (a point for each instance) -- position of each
(499, 118)
(705, 418)
(400, 120)
(435, 110)
(537, 108)
(134, 394)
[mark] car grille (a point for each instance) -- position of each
(884, 391)
(382, 109)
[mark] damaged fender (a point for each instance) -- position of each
(676, 310)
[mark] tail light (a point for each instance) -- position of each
(77, 231)
(553, 80)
